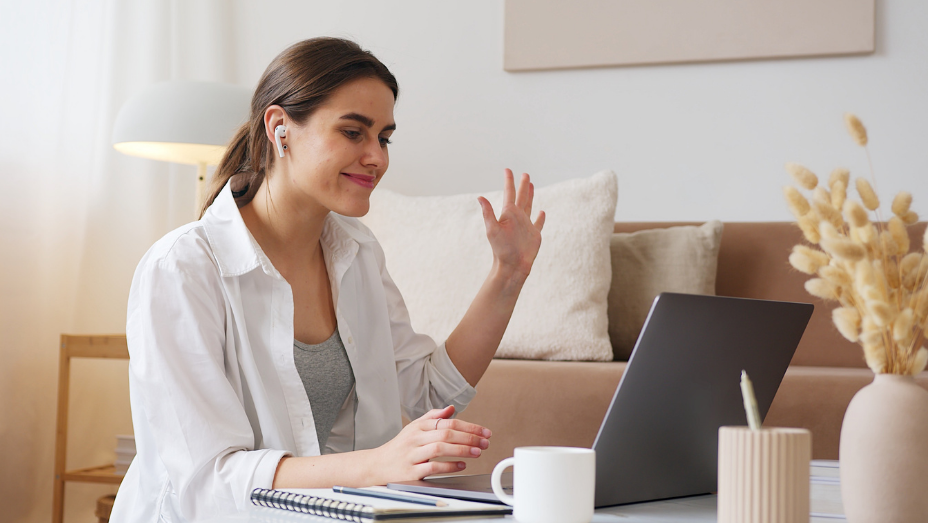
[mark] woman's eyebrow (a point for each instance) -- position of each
(367, 122)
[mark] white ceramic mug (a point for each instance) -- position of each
(550, 484)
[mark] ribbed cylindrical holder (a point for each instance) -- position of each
(764, 475)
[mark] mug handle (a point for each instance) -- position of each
(495, 481)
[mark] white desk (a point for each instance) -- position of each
(699, 509)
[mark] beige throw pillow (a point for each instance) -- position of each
(438, 254)
(646, 263)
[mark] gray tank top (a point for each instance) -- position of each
(327, 378)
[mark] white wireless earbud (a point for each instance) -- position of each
(278, 134)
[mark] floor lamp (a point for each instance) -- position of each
(182, 122)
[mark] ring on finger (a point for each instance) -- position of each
(437, 422)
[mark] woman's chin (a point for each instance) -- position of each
(354, 209)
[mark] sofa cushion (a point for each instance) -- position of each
(648, 262)
(753, 263)
(438, 254)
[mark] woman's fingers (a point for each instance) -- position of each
(530, 189)
(444, 450)
(455, 437)
(522, 195)
(509, 188)
(446, 412)
(489, 219)
(454, 425)
(540, 221)
(432, 468)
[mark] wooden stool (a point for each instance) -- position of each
(105, 507)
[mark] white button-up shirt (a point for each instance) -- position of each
(216, 398)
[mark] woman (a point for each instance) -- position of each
(269, 346)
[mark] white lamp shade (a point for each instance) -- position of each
(182, 122)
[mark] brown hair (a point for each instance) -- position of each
(299, 80)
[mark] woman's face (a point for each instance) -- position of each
(339, 155)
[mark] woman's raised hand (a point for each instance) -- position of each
(515, 240)
(435, 435)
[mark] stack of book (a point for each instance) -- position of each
(825, 492)
(125, 451)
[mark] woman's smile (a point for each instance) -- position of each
(364, 180)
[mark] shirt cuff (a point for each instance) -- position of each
(267, 468)
(448, 382)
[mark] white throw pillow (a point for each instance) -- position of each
(438, 254)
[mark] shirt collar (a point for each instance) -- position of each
(237, 252)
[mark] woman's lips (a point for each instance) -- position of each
(364, 180)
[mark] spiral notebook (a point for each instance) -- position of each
(348, 507)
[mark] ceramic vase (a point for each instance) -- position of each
(884, 452)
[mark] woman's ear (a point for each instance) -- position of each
(274, 116)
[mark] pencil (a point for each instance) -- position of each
(385, 495)
(750, 402)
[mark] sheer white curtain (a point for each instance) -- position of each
(76, 216)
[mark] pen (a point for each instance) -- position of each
(750, 402)
(385, 495)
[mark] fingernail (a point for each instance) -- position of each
(484, 443)
(487, 433)
(461, 465)
(475, 451)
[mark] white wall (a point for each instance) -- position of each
(689, 142)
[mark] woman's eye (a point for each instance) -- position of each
(384, 141)
(351, 134)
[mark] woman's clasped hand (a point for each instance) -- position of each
(410, 455)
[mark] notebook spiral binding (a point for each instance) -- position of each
(302, 503)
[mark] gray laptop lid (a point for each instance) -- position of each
(659, 438)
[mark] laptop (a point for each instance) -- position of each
(659, 438)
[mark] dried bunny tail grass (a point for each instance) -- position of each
(808, 224)
(867, 194)
(864, 275)
(910, 218)
(882, 277)
(868, 233)
(822, 288)
(803, 176)
(829, 213)
(844, 249)
(798, 204)
(808, 260)
(847, 320)
(918, 363)
(836, 275)
(909, 269)
(899, 234)
(821, 194)
(856, 129)
(841, 175)
(888, 244)
(903, 327)
(893, 278)
(925, 240)
(881, 312)
(838, 195)
(921, 306)
(901, 203)
(827, 229)
(875, 356)
(855, 213)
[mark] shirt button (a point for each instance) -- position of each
(350, 340)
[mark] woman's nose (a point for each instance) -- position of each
(374, 154)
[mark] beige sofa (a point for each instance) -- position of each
(562, 403)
